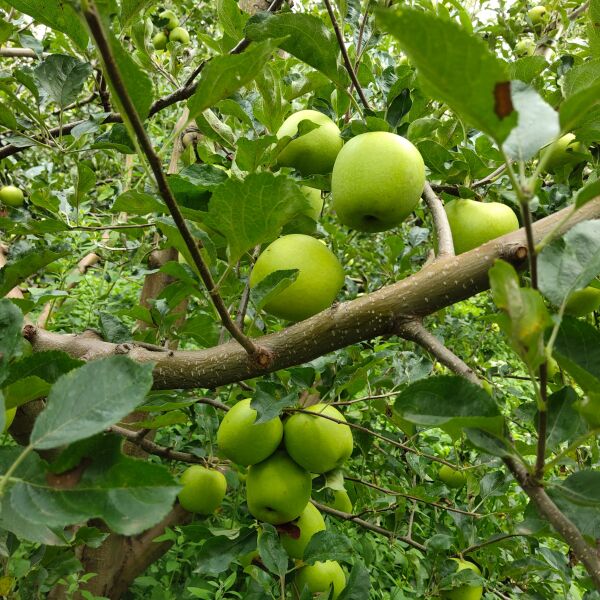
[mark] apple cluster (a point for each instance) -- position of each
(170, 31)
(281, 458)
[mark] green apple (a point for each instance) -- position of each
(377, 180)
(341, 501)
(203, 489)
(159, 41)
(316, 202)
(537, 14)
(243, 442)
(321, 577)
(316, 443)
(583, 302)
(465, 592)
(315, 151)
(304, 527)
(171, 18)
(319, 280)
(453, 478)
(9, 417)
(561, 154)
(11, 196)
(277, 489)
(525, 47)
(474, 223)
(181, 35)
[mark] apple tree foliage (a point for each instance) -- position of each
(86, 514)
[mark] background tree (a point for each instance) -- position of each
(149, 170)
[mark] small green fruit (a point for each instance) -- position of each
(525, 47)
(11, 196)
(203, 489)
(537, 14)
(474, 223)
(159, 41)
(563, 153)
(583, 302)
(244, 442)
(9, 417)
(315, 151)
(316, 443)
(321, 577)
(179, 34)
(305, 526)
(171, 18)
(319, 280)
(377, 180)
(277, 489)
(465, 592)
(453, 478)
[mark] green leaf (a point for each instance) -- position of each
(231, 18)
(457, 67)
(116, 138)
(7, 118)
(113, 329)
(25, 390)
(564, 422)
(138, 203)
(571, 262)
(271, 285)
(129, 495)
(328, 545)
(582, 488)
(537, 124)
(271, 551)
(588, 192)
(304, 36)
(269, 400)
(448, 401)
(253, 211)
(11, 323)
(220, 551)
(489, 443)
(577, 350)
(56, 14)
(76, 410)
(223, 75)
(593, 27)
(575, 109)
(86, 180)
(581, 76)
(358, 585)
(15, 272)
(47, 365)
(527, 68)
(62, 77)
(131, 9)
(525, 317)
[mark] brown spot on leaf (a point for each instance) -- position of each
(503, 105)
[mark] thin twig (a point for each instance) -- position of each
(495, 540)
(261, 356)
(354, 519)
(18, 53)
(344, 51)
(440, 221)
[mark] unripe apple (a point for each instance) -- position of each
(316, 202)
(377, 180)
(583, 302)
(11, 196)
(277, 489)
(525, 47)
(563, 153)
(453, 478)
(244, 442)
(319, 280)
(9, 417)
(317, 443)
(552, 369)
(159, 41)
(321, 577)
(181, 35)
(474, 223)
(537, 14)
(465, 592)
(171, 18)
(304, 527)
(341, 501)
(203, 489)
(315, 151)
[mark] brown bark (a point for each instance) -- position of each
(443, 283)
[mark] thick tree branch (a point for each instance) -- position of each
(370, 526)
(436, 286)
(440, 221)
(258, 355)
(587, 554)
